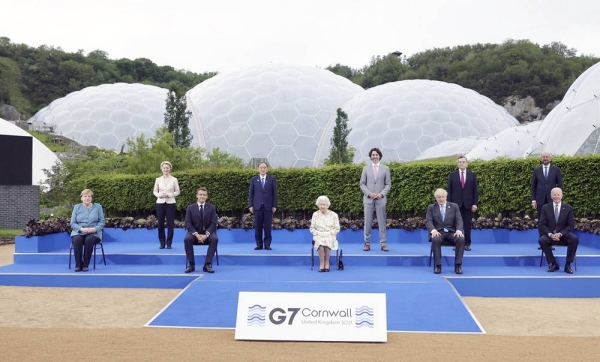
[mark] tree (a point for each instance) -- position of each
(340, 152)
(177, 118)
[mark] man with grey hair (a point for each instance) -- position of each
(444, 223)
(556, 227)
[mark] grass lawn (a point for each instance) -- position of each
(10, 232)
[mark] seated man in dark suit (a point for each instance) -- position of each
(444, 223)
(201, 223)
(556, 226)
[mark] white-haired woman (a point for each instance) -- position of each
(324, 227)
(166, 189)
(87, 221)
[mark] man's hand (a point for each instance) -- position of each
(534, 204)
(474, 208)
(273, 209)
(372, 195)
(251, 209)
(435, 234)
(458, 234)
(201, 238)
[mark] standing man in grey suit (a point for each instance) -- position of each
(375, 183)
(462, 190)
(545, 178)
(444, 223)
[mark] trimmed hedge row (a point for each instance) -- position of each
(504, 187)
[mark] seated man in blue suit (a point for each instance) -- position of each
(556, 226)
(201, 223)
(444, 223)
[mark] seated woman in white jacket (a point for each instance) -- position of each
(324, 227)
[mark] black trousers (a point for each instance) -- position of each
(189, 242)
(467, 217)
(167, 210)
(570, 239)
(436, 245)
(263, 220)
(83, 255)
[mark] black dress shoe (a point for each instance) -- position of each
(468, 248)
(208, 269)
(268, 248)
(385, 248)
(191, 268)
(458, 269)
(568, 269)
(77, 269)
(161, 247)
(321, 270)
(326, 270)
(84, 269)
(258, 248)
(437, 270)
(169, 247)
(553, 267)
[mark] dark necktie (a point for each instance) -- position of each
(556, 212)
(546, 173)
(462, 179)
(202, 213)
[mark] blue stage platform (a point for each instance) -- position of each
(502, 264)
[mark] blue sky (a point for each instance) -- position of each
(226, 35)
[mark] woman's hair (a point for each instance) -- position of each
(166, 163)
(323, 198)
(85, 192)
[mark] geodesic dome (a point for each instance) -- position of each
(460, 146)
(105, 116)
(513, 142)
(43, 157)
(272, 111)
(406, 118)
(572, 127)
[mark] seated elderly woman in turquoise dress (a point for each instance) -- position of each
(324, 227)
(87, 221)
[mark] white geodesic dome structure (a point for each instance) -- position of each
(460, 146)
(513, 142)
(106, 116)
(572, 127)
(43, 157)
(406, 118)
(276, 112)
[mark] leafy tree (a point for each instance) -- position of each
(340, 152)
(177, 118)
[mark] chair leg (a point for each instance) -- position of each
(217, 254)
(94, 256)
(312, 258)
(337, 257)
(575, 261)
(430, 254)
(103, 257)
(70, 254)
(541, 258)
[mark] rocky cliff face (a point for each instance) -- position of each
(525, 110)
(9, 113)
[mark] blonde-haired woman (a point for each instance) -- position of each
(166, 189)
(324, 227)
(87, 221)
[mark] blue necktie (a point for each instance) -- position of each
(443, 211)
(262, 181)
(556, 212)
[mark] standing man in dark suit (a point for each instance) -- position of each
(201, 223)
(375, 183)
(444, 223)
(545, 178)
(462, 190)
(262, 202)
(556, 227)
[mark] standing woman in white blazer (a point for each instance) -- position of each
(166, 189)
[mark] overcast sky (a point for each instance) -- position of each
(224, 35)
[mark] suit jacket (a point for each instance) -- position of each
(453, 221)
(209, 222)
(540, 187)
(466, 197)
(368, 184)
(259, 196)
(548, 223)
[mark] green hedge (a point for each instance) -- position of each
(504, 187)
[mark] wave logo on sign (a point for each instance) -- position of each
(364, 317)
(256, 315)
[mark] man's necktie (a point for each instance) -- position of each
(556, 212)
(545, 173)
(462, 179)
(262, 181)
(443, 211)
(375, 171)
(202, 212)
